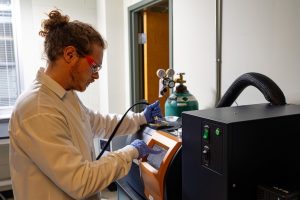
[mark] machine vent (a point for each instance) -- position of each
(277, 193)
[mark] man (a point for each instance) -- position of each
(51, 132)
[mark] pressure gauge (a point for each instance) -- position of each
(170, 72)
(161, 73)
(165, 81)
(171, 84)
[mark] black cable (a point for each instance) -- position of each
(117, 127)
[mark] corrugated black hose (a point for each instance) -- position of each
(268, 88)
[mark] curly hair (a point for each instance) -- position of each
(59, 32)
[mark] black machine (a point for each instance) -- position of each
(237, 153)
(228, 152)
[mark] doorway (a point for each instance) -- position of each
(151, 48)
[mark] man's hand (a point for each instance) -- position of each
(143, 148)
(152, 111)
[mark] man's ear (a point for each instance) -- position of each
(70, 54)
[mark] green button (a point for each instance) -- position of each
(218, 131)
(205, 134)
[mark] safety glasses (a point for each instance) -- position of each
(94, 66)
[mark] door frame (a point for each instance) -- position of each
(136, 50)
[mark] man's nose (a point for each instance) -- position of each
(95, 75)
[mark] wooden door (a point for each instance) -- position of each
(156, 53)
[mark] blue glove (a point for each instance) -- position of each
(143, 148)
(152, 111)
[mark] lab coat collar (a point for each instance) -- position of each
(50, 83)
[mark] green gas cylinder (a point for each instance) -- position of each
(180, 100)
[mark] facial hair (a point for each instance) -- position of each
(76, 81)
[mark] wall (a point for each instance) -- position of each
(113, 15)
(262, 36)
(112, 27)
(258, 36)
(194, 47)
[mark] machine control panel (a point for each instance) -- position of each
(155, 160)
(212, 146)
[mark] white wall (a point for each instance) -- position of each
(262, 36)
(194, 47)
(112, 18)
(258, 36)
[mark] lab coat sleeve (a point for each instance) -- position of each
(50, 147)
(104, 124)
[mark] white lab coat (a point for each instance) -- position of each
(51, 145)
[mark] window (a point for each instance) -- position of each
(9, 82)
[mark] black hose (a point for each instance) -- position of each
(269, 89)
(117, 127)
